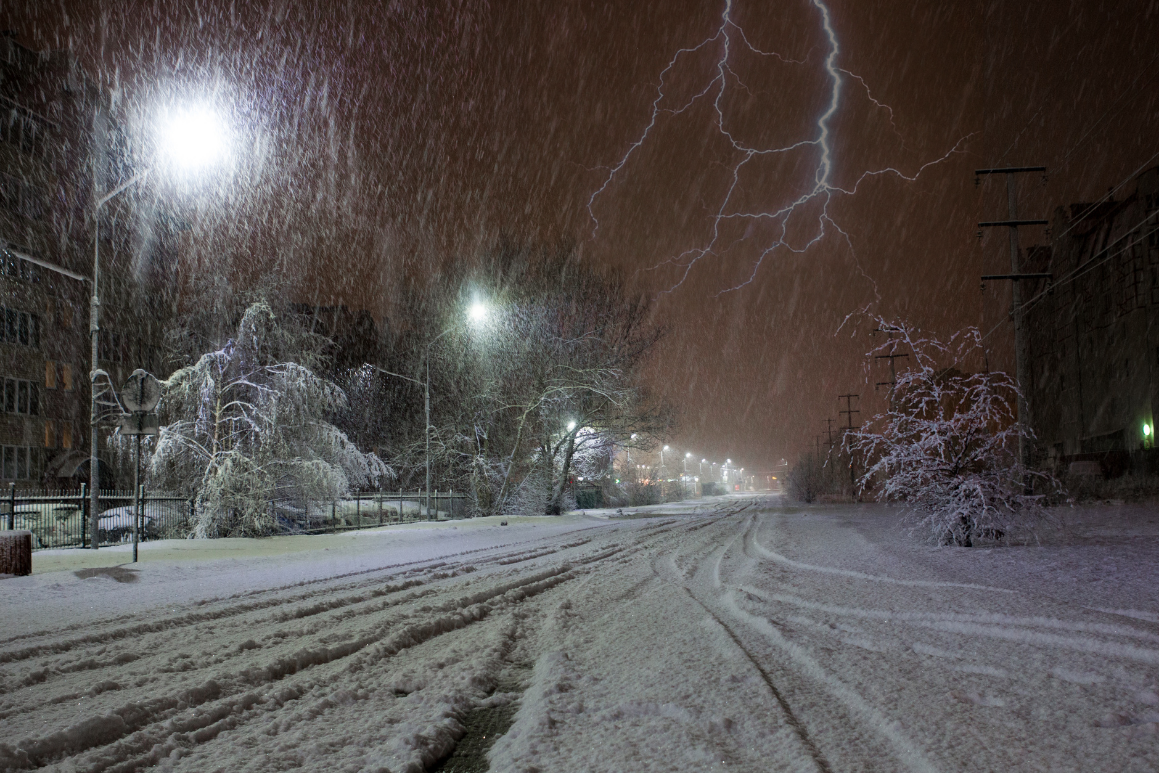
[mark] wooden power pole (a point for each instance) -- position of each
(850, 428)
(1022, 342)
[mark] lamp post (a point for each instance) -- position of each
(628, 453)
(685, 469)
(477, 313)
(192, 139)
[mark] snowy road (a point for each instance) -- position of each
(745, 636)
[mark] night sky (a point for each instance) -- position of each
(376, 142)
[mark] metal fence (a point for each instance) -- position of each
(367, 510)
(60, 519)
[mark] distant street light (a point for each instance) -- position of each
(192, 139)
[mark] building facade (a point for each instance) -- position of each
(59, 143)
(1093, 332)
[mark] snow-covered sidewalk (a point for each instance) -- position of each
(743, 634)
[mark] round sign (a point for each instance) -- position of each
(142, 391)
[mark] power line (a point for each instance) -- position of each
(1085, 267)
(1092, 207)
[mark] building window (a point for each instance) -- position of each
(50, 434)
(66, 436)
(21, 396)
(49, 374)
(20, 462)
(66, 376)
(22, 328)
(15, 267)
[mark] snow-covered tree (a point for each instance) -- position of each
(246, 422)
(947, 447)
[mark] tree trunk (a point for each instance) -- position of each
(556, 505)
(499, 500)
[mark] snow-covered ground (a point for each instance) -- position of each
(736, 634)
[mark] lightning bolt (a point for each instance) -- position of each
(821, 191)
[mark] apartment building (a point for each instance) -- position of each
(60, 141)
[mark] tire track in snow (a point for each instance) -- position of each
(421, 565)
(753, 546)
(791, 717)
(127, 717)
(125, 627)
(234, 692)
(852, 703)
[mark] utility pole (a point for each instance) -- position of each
(850, 428)
(893, 382)
(829, 434)
(1022, 343)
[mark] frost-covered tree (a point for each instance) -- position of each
(246, 422)
(947, 447)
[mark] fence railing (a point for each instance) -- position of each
(367, 510)
(60, 519)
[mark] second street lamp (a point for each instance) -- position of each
(477, 313)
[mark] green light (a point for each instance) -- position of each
(1147, 430)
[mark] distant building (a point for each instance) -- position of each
(59, 141)
(1094, 333)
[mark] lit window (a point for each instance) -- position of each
(49, 374)
(66, 377)
(66, 436)
(50, 434)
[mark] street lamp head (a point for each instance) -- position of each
(633, 436)
(728, 461)
(704, 461)
(193, 138)
(666, 448)
(478, 312)
(688, 454)
(571, 426)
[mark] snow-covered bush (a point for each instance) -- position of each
(948, 446)
(244, 422)
(806, 479)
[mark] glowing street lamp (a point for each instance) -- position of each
(477, 313)
(190, 140)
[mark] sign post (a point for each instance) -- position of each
(140, 395)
